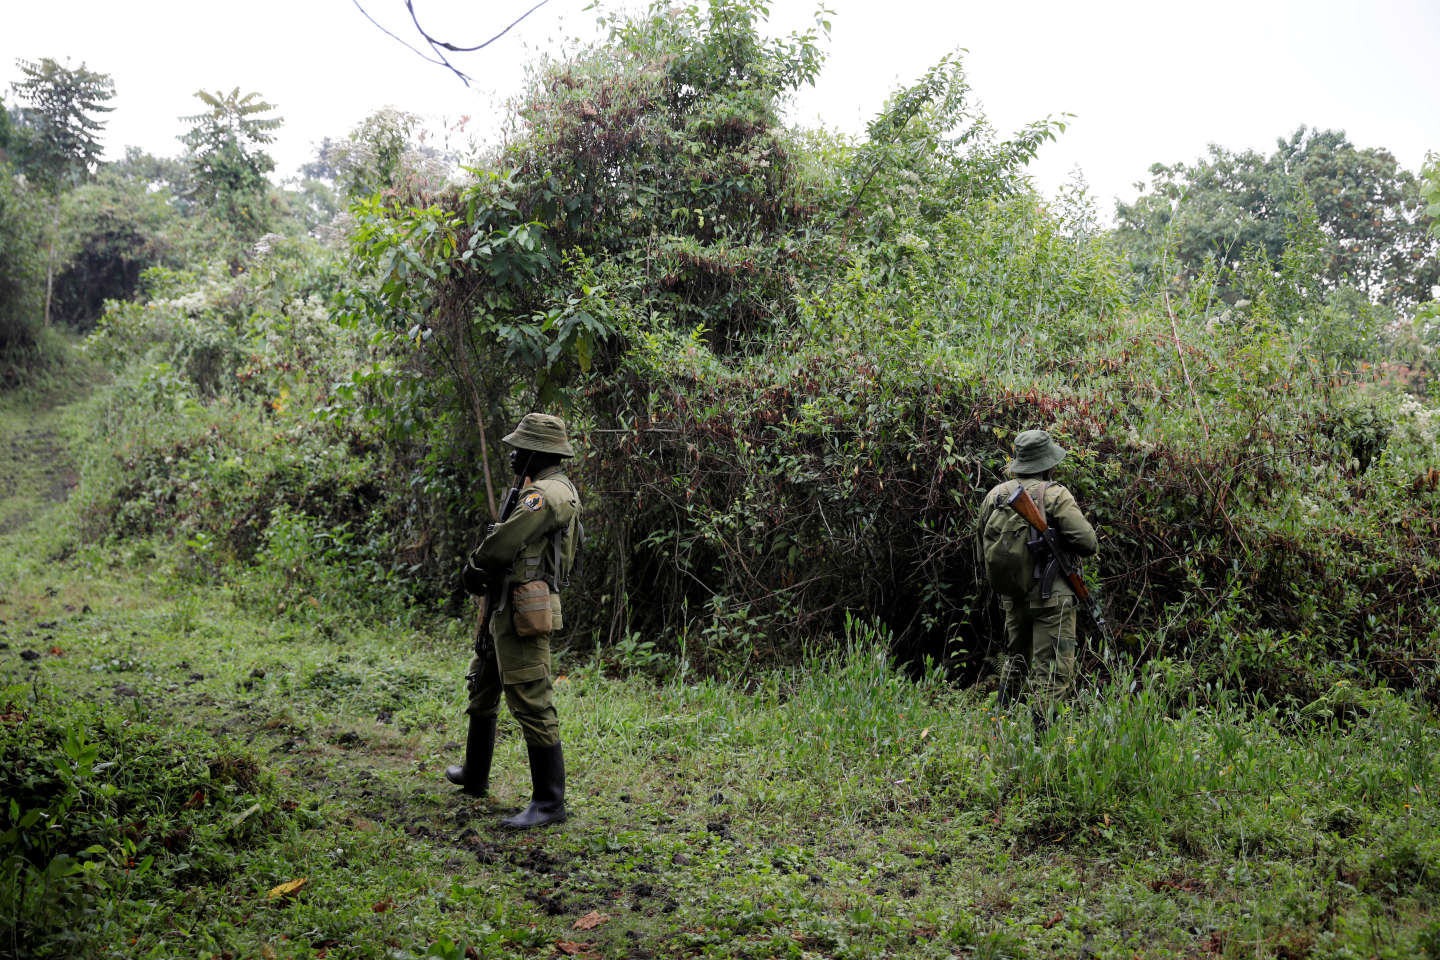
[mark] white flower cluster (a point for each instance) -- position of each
(1134, 441)
(191, 302)
(1422, 420)
(263, 245)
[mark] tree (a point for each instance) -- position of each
(385, 153)
(20, 267)
(112, 230)
(326, 165)
(1430, 190)
(226, 161)
(1229, 206)
(10, 132)
(62, 144)
(158, 174)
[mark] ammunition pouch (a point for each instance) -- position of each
(531, 608)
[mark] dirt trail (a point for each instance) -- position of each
(36, 469)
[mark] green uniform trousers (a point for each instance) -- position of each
(1040, 635)
(518, 667)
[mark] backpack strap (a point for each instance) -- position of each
(558, 578)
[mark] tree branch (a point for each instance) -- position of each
(437, 47)
(439, 61)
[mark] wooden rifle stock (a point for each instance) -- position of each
(1022, 503)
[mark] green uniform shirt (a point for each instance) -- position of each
(521, 548)
(1061, 512)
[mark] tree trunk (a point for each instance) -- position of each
(50, 260)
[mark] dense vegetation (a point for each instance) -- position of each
(793, 362)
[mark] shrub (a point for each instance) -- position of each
(22, 274)
(113, 230)
(103, 808)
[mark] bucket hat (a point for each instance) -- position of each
(1035, 452)
(542, 433)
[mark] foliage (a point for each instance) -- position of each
(842, 468)
(1211, 215)
(803, 432)
(112, 231)
(792, 363)
(653, 184)
(103, 808)
(840, 806)
(22, 272)
(227, 163)
(168, 175)
(213, 434)
(1430, 190)
(312, 207)
(11, 136)
(385, 153)
(62, 144)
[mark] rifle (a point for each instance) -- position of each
(1022, 503)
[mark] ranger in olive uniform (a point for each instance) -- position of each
(1039, 624)
(521, 565)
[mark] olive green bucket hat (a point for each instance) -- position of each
(1035, 452)
(542, 433)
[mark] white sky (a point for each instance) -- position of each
(1148, 80)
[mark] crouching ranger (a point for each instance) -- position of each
(1039, 604)
(519, 569)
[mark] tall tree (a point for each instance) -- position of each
(226, 160)
(62, 143)
(9, 133)
(1227, 206)
(20, 268)
(1430, 189)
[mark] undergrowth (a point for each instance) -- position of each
(793, 365)
(283, 770)
(188, 759)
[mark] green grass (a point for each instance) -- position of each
(836, 809)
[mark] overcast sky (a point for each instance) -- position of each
(1147, 81)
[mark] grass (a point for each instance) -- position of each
(837, 809)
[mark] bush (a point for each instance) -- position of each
(22, 275)
(103, 809)
(795, 364)
(113, 230)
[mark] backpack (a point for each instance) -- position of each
(1005, 544)
(567, 545)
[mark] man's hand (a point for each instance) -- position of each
(474, 580)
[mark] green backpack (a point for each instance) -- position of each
(1005, 543)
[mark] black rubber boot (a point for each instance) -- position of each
(1012, 679)
(1005, 696)
(547, 779)
(1040, 717)
(473, 775)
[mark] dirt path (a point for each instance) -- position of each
(37, 470)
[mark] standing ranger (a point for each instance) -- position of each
(519, 569)
(1039, 605)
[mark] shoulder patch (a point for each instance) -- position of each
(533, 500)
